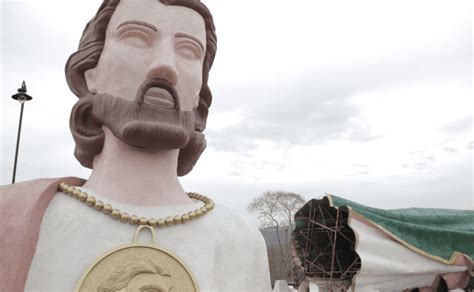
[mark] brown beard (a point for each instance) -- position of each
(136, 124)
(141, 125)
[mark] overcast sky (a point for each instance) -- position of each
(368, 100)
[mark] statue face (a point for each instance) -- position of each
(146, 39)
(143, 53)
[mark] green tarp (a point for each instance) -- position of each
(437, 232)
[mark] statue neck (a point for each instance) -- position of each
(136, 176)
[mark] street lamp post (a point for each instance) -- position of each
(22, 97)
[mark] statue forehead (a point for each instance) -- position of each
(166, 18)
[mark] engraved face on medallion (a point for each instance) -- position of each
(138, 275)
(137, 268)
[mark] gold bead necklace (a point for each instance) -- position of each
(134, 219)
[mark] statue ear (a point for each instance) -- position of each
(189, 155)
(91, 79)
(201, 111)
(196, 103)
(200, 117)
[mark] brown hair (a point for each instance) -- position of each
(87, 56)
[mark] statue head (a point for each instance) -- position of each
(141, 70)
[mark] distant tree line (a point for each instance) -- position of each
(276, 210)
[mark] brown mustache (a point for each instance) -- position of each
(158, 83)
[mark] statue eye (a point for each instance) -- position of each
(136, 39)
(188, 50)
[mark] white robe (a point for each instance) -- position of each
(222, 251)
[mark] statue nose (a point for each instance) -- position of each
(163, 64)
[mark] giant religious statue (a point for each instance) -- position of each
(141, 74)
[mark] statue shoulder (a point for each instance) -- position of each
(25, 186)
(234, 226)
(235, 233)
(22, 206)
(242, 251)
(33, 190)
(25, 201)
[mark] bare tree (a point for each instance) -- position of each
(276, 209)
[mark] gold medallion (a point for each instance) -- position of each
(137, 267)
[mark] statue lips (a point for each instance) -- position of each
(158, 92)
(158, 97)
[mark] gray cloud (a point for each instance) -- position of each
(27, 32)
(360, 165)
(429, 158)
(470, 145)
(420, 163)
(460, 125)
(450, 150)
(297, 112)
(316, 107)
(42, 153)
(447, 188)
(359, 173)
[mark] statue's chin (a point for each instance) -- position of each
(154, 135)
